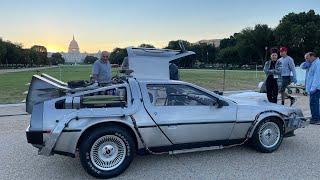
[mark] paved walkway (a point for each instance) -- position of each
(3, 71)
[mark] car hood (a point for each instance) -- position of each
(252, 103)
(249, 98)
(256, 100)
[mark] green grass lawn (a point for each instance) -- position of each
(12, 85)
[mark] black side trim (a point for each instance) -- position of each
(151, 126)
(71, 130)
(192, 123)
(7, 115)
(177, 124)
(65, 153)
(242, 122)
(191, 145)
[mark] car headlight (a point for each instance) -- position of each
(292, 115)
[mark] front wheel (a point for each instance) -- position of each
(268, 136)
(106, 152)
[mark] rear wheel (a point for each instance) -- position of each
(106, 152)
(268, 136)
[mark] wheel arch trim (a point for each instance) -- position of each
(263, 117)
(110, 122)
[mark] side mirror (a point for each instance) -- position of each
(216, 102)
(219, 103)
(218, 92)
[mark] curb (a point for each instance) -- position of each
(12, 105)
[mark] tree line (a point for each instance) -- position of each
(13, 55)
(300, 32)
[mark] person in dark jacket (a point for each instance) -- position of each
(272, 69)
(174, 71)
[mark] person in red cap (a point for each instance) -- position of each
(288, 68)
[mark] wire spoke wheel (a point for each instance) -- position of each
(269, 134)
(108, 152)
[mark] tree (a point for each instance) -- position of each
(90, 59)
(3, 52)
(185, 62)
(117, 55)
(251, 43)
(228, 42)
(146, 46)
(14, 53)
(229, 55)
(25, 59)
(205, 53)
(299, 32)
(56, 58)
(39, 55)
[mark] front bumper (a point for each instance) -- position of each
(296, 122)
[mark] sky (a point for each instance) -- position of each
(107, 24)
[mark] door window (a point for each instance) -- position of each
(178, 95)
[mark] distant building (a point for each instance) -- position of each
(74, 56)
(215, 42)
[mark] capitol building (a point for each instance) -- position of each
(74, 56)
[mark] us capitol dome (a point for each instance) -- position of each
(73, 46)
(74, 56)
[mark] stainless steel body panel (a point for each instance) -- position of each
(240, 130)
(187, 124)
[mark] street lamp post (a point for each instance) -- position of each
(207, 57)
(266, 50)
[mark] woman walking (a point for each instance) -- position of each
(272, 69)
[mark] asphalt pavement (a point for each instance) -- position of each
(297, 158)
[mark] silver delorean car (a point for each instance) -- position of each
(144, 112)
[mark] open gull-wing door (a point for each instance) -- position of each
(150, 63)
(43, 88)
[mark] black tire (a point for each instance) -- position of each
(117, 139)
(256, 141)
(297, 91)
(289, 91)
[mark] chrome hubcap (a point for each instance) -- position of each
(269, 134)
(108, 152)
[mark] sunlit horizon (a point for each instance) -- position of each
(105, 25)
